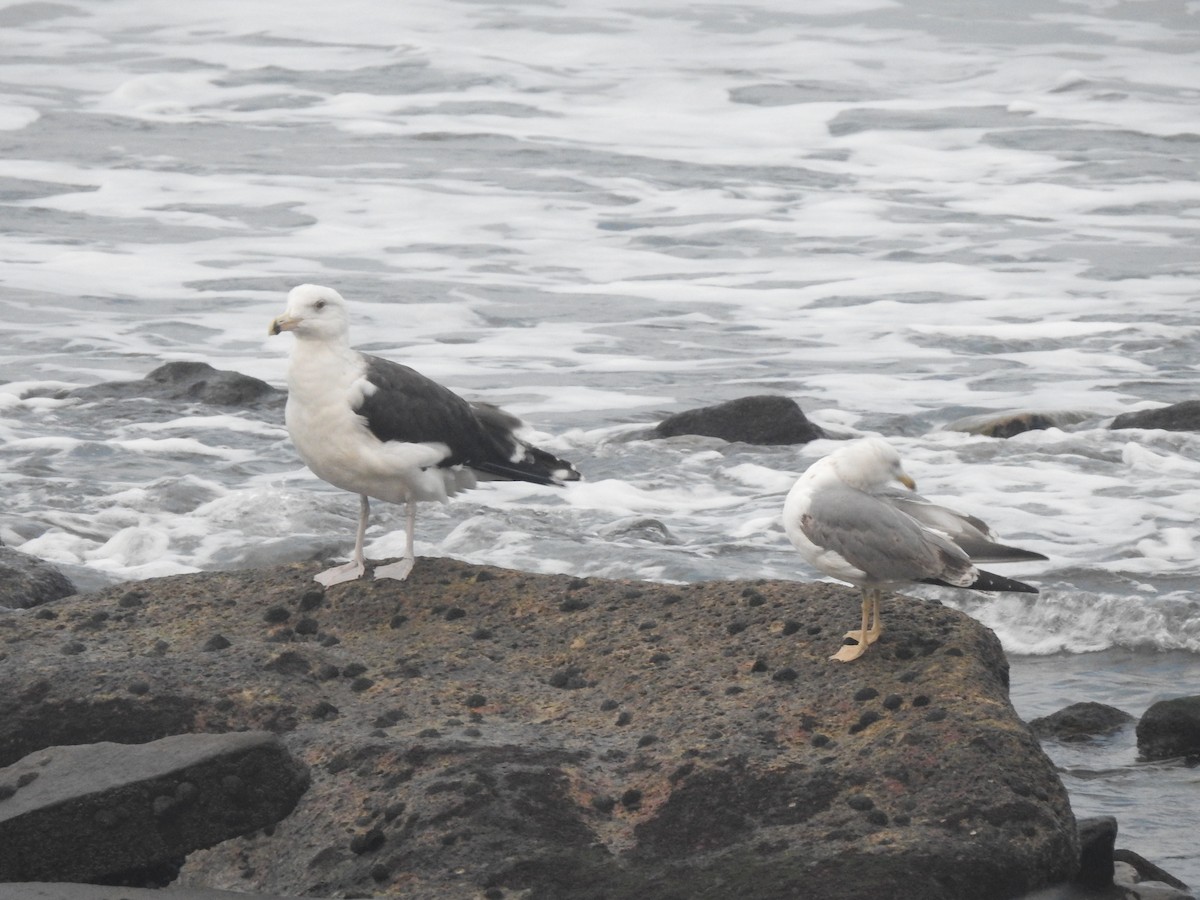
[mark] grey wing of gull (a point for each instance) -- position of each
(970, 533)
(872, 535)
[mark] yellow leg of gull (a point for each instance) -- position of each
(870, 601)
(854, 651)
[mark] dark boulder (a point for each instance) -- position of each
(1081, 722)
(1183, 416)
(1097, 837)
(765, 419)
(188, 381)
(130, 813)
(27, 581)
(1170, 728)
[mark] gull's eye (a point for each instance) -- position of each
(319, 305)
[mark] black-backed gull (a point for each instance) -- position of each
(383, 430)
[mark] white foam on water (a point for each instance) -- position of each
(595, 216)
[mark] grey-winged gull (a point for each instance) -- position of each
(847, 520)
(383, 430)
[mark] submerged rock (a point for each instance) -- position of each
(189, 381)
(480, 732)
(1170, 728)
(1017, 421)
(1183, 416)
(765, 419)
(1081, 722)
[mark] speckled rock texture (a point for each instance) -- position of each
(106, 812)
(475, 732)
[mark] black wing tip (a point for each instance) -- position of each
(990, 581)
(534, 471)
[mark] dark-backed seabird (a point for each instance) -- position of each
(847, 521)
(383, 430)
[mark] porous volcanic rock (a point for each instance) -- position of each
(1183, 416)
(475, 731)
(26, 581)
(1170, 728)
(110, 812)
(763, 419)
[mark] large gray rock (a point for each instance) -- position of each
(107, 812)
(26, 581)
(1170, 728)
(479, 732)
(765, 419)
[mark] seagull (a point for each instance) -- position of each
(382, 430)
(847, 521)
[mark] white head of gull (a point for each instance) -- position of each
(848, 520)
(383, 430)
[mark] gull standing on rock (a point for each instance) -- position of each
(383, 430)
(847, 520)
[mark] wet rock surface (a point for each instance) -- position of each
(1183, 416)
(191, 382)
(1170, 728)
(1081, 722)
(110, 813)
(480, 732)
(1018, 421)
(763, 419)
(27, 581)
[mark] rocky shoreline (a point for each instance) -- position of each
(480, 732)
(477, 732)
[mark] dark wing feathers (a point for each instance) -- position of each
(989, 581)
(406, 406)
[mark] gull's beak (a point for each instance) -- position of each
(903, 479)
(283, 323)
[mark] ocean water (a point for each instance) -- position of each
(898, 212)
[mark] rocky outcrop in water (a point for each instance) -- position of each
(1183, 416)
(1081, 722)
(1169, 729)
(765, 419)
(1018, 421)
(481, 732)
(191, 382)
(27, 581)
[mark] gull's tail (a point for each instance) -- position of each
(523, 462)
